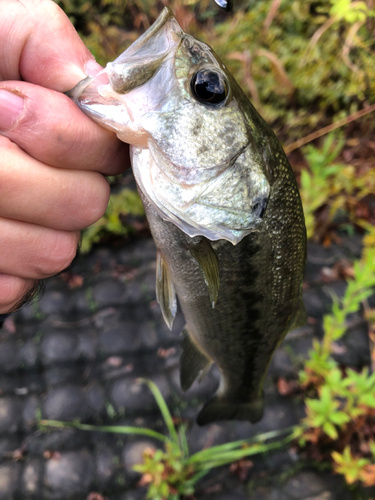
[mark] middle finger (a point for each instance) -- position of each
(56, 198)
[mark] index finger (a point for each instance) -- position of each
(45, 48)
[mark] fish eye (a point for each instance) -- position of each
(209, 87)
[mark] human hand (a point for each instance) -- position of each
(52, 157)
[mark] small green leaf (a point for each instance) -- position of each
(330, 430)
(339, 418)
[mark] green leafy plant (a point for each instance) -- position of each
(105, 26)
(126, 202)
(340, 415)
(359, 288)
(291, 55)
(354, 468)
(341, 398)
(350, 11)
(316, 183)
(172, 473)
(324, 412)
(331, 184)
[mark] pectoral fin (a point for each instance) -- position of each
(165, 291)
(193, 362)
(207, 259)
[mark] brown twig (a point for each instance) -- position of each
(325, 130)
(280, 73)
(271, 14)
(246, 59)
(315, 38)
(349, 44)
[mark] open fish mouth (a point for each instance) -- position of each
(116, 97)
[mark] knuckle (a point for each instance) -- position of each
(94, 200)
(117, 159)
(58, 253)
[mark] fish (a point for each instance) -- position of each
(222, 203)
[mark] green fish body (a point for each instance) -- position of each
(222, 203)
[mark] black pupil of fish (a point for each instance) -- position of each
(209, 87)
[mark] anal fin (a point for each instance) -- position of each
(193, 362)
(165, 291)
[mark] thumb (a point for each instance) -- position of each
(46, 49)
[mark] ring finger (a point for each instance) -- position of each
(35, 252)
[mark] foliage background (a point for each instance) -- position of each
(301, 61)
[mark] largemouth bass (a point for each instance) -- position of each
(222, 203)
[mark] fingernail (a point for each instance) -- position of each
(11, 106)
(92, 68)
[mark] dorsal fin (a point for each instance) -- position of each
(165, 291)
(206, 257)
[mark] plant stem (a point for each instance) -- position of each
(325, 130)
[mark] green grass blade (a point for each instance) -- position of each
(207, 454)
(183, 440)
(163, 409)
(197, 477)
(233, 456)
(118, 429)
